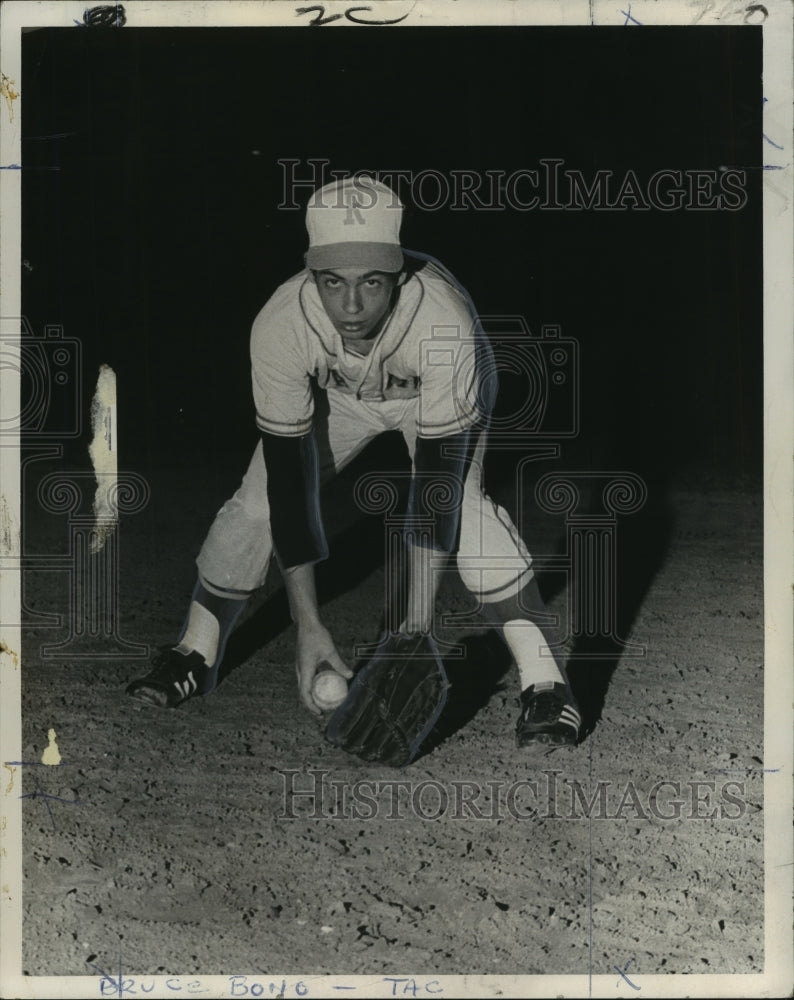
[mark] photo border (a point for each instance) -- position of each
(776, 17)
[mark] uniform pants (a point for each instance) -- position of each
(492, 560)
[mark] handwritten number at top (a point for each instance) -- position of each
(350, 14)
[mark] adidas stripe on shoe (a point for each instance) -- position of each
(549, 715)
(176, 675)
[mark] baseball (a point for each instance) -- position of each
(329, 689)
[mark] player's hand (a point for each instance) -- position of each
(315, 648)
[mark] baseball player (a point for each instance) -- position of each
(393, 340)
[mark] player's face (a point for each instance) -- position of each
(357, 299)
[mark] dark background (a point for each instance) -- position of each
(151, 230)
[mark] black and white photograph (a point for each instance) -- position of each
(395, 451)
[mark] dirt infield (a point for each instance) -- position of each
(228, 838)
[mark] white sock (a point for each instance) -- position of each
(202, 633)
(531, 652)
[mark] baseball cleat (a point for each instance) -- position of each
(549, 715)
(175, 677)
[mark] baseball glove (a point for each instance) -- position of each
(394, 701)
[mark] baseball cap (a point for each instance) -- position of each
(354, 222)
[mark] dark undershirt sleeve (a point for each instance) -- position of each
(440, 469)
(293, 492)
